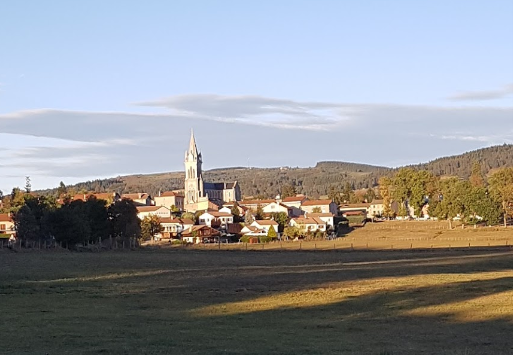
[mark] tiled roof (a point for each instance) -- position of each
(149, 208)
(135, 196)
(294, 199)
(355, 205)
(266, 222)
(312, 220)
(320, 215)
(176, 221)
(256, 202)
(317, 202)
(5, 217)
(377, 202)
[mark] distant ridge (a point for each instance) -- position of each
(312, 181)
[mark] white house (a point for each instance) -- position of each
(295, 202)
(253, 231)
(168, 199)
(327, 218)
(6, 224)
(266, 225)
(277, 207)
(310, 224)
(140, 198)
(173, 226)
(215, 219)
(376, 209)
(320, 206)
(160, 211)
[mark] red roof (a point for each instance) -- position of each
(5, 217)
(294, 199)
(149, 208)
(317, 202)
(176, 220)
(266, 222)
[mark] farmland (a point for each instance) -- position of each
(164, 300)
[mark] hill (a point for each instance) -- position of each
(312, 181)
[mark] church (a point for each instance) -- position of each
(200, 195)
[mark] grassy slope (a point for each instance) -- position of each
(231, 302)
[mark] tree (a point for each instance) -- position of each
(271, 233)
(69, 224)
(96, 214)
(335, 195)
(235, 212)
(189, 215)
(62, 189)
(316, 209)
(281, 218)
(150, 226)
(123, 219)
(385, 186)
(477, 178)
(28, 185)
(288, 191)
(259, 213)
(291, 232)
(370, 195)
(501, 188)
(248, 217)
(347, 193)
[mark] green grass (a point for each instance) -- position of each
(256, 302)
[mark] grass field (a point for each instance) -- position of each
(189, 301)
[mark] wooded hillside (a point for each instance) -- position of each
(312, 181)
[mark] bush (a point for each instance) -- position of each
(265, 239)
(245, 239)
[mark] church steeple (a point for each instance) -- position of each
(193, 174)
(192, 145)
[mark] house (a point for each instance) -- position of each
(215, 219)
(327, 218)
(376, 209)
(266, 224)
(6, 224)
(253, 204)
(141, 199)
(173, 227)
(227, 207)
(320, 206)
(110, 197)
(310, 224)
(361, 208)
(295, 203)
(277, 207)
(160, 211)
(200, 234)
(253, 231)
(169, 199)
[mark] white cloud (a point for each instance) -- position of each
(54, 145)
(483, 95)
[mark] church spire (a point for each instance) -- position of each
(192, 145)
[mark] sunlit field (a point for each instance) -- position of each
(189, 301)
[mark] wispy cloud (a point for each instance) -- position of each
(56, 144)
(483, 95)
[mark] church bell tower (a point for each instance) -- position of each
(193, 175)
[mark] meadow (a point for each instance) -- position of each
(193, 301)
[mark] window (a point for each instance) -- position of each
(2, 227)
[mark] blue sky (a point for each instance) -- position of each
(106, 88)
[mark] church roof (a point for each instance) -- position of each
(218, 185)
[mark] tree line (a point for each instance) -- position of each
(476, 199)
(43, 219)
